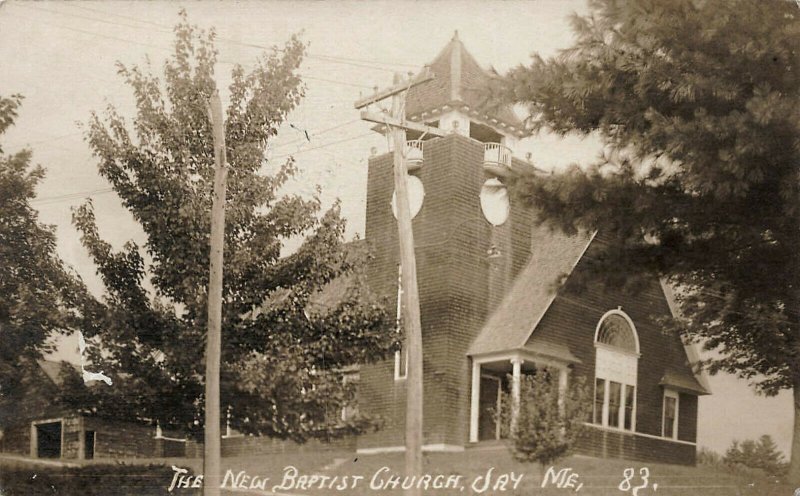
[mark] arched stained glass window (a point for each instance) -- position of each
(616, 372)
(617, 332)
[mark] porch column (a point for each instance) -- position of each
(34, 441)
(81, 439)
(516, 373)
(475, 402)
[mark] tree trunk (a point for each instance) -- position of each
(794, 462)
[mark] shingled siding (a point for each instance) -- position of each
(16, 440)
(451, 238)
(604, 443)
(122, 439)
(687, 421)
(377, 389)
(71, 438)
(263, 445)
(113, 439)
(572, 320)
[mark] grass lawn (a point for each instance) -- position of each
(467, 471)
(26, 477)
(462, 473)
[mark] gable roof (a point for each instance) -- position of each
(52, 370)
(332, 293)
(459, 81)
(683, 382)
(692, 354)
(553, 255)
(547, 349)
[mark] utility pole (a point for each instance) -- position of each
(211, 455)
(410, 294)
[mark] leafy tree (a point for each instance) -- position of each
(545, 426)
(285, 339)
(37, 293)
(698, 103)
(762, 454)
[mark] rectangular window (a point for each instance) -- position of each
(88, 444)
(630, 395)
(350, 410)
(400, 356)
(614, 403)
(599, 400)
(670, 427)
(400, 364)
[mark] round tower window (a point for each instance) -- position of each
(416, 193)
(494, 202)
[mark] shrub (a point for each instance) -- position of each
(708, 457)
(546, 428)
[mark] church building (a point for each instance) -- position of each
(493, 300)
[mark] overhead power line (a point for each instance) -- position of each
(92, 33)
(163, 48)
(52, 200)
(56, 138)
(368, 64)
(316, 133)
(328, 58)
(48, 200)
(304, 150)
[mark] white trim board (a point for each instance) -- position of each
(451, 448)
(34, 440)
(640, 434)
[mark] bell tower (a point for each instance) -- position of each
(471, 239)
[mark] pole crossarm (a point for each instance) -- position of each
(388, 120)
(394, 90)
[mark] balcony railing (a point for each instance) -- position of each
(497, 159)
(413, 154)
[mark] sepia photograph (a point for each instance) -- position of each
(400, 247)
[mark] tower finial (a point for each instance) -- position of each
(455, 48)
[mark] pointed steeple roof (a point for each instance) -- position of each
(459, 83)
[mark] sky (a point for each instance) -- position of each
(62, 57)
